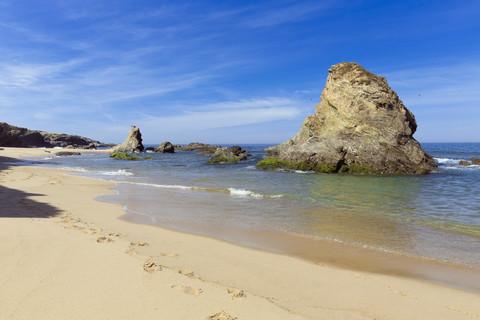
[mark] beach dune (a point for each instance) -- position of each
(65, 255)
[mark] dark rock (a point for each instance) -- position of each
(203, 149)
(67, 153)
(149, 149)
(360, 124)
(225, 154)
(476, 161)
(464, 163)
(133, 143)
(165, 147)
(91, 146)
(11, 136)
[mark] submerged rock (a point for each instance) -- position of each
(133, 143)
(360, 125)
(464, 163)
(165, 147)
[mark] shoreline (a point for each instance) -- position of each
(52, 254)
(342, 255)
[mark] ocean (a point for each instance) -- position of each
(434, 216)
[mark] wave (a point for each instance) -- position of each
(76, 169)
(447, 161)
(119, 172)
(231, 191)
(454, 164)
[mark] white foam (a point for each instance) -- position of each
(120, 172)
(76, 169)
(300, 171)
(447, 161)
(164, 186)
(248, 193)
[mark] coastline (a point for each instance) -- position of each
(55, 266)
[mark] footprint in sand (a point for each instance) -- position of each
(221, 316)
(104, 240)
(235, 293)
(131, 251)
(187, 273)
(139, 244)
(170, 255)
(150, 266)
(114, 234)
(188, 290)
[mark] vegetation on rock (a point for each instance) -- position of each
(124, 156)
(275, 163)
(224, 159)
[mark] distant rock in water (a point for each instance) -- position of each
(202, 148)
(464, 163)
(360, 125)
(476, 161)
(229, 154)
(165, 147)
(11, 136)
(67, 153)
(133, 143)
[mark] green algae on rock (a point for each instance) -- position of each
(124, 156)
(275, 163)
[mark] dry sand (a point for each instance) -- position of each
(67, 256)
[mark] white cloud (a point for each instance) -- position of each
(227, 114)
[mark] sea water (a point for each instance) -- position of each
(434, 216)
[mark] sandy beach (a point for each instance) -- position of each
(65, 255)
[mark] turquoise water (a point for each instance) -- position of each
(435, 216)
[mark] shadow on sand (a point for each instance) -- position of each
(18, 204)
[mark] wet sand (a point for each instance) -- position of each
(65, 255)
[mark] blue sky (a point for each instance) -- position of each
(230, 71)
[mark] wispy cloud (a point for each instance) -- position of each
(268, 17)
(227, 114)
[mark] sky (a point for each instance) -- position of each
(230, 71)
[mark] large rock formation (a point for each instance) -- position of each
(133, 143)
(11, 136)
(360, 125)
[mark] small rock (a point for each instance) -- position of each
(464, 163)
(476, 161)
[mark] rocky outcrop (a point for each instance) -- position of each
(133, 143)
(67, 153)
(229, 154)
(464, 163)
(165, 147)
(202, 148)
(11, 136)
(476, 161)
(360, 125)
